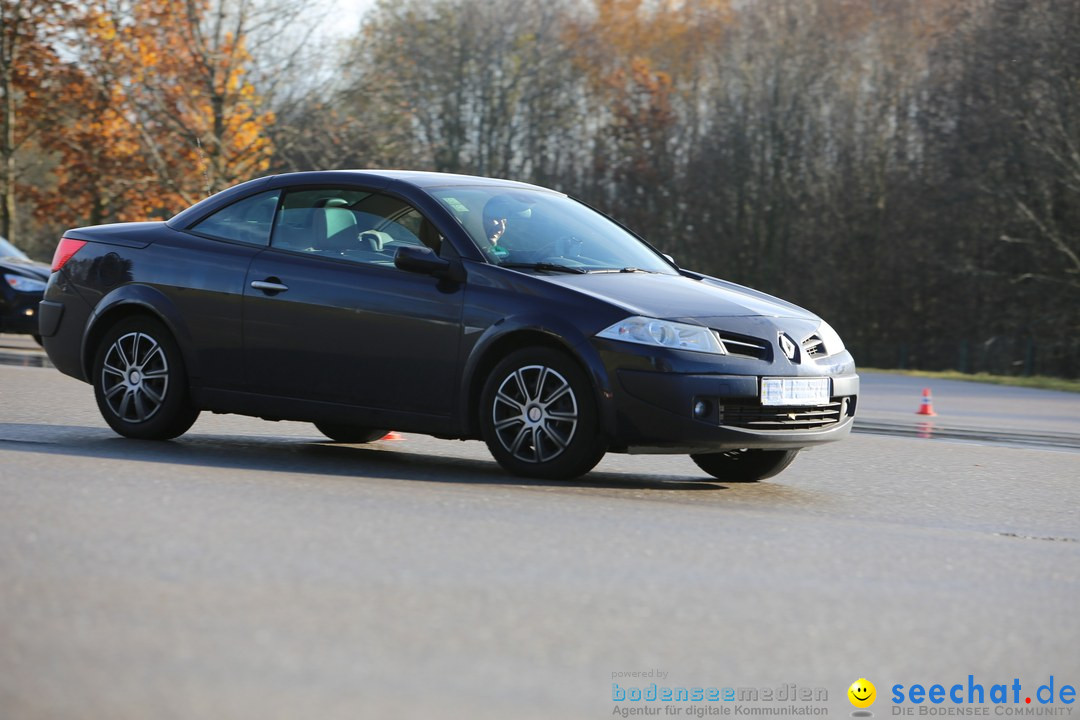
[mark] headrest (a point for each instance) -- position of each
(375, 239)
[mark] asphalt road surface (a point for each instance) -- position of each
(251, 570)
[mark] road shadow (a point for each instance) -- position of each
(25, 359)
(284, 454)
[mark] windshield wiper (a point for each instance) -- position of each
(550, 267)
(623, 270)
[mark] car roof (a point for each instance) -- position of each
(376, 179)
(419, 178)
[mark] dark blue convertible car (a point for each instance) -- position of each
(461, 307)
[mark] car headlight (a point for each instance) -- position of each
(664, 333)
(24, 284)
(833, 343)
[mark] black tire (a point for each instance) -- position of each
(744, 466)
(350, 433)
(140, 382)
(38, 340)
(538, 416)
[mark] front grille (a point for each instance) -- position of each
(813, 345)
(758, 417)
(744, 346)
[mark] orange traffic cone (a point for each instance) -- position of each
(392, 435)
(927, 406)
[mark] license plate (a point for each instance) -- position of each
(795, 391)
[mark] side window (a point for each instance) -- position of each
(350, 224)
(247, 221)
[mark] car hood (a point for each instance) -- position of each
(679, 297)
(28, 268)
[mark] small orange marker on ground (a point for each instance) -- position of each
(392, 435)
(927, 406)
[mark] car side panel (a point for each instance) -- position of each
(369, 336)
(194, 284)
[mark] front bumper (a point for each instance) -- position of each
(19, 312)
(653, 404)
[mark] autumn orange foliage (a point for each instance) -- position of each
(640, 58)
(32, 78)
(165, 114)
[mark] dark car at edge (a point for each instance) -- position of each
(21, 289)
(455, 306)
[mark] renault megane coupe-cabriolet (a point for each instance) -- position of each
(456, 306)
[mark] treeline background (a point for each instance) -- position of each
(909, 169)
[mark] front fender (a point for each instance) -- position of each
(514, 332)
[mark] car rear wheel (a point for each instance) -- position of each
(140, 382)
(538, 416)
(743, 466)
(349, 433)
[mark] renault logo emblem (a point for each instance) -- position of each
(787, 345)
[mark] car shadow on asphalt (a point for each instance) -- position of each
(308, 456)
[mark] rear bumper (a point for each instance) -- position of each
(49, 318)
(62, 321)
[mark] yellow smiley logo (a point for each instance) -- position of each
(862, 693)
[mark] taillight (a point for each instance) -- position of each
(64, 252)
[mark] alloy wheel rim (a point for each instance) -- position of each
(535, 413)
(135, 377)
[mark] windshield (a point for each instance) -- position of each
(546, 231)
(8, 250)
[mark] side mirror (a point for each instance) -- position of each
(422, 260)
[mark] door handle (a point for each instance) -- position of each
(270, 287)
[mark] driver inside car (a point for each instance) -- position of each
(502, 215)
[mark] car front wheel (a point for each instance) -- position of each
(743, 466)
(539, 418)
(140, 382)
